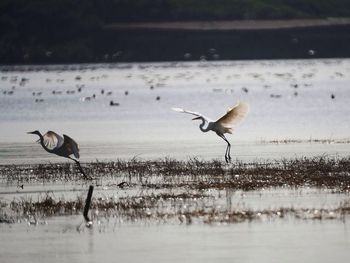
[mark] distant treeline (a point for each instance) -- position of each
(50, 31)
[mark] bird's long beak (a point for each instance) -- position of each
(33, 132)
(197, 118)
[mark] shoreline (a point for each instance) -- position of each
(198, 41)
(225, 25)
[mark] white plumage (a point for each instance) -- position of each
(224, 124)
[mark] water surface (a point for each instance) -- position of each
(58, 241)
(289, 100)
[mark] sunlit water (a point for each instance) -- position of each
(65, 239)
(288, 100)
(258, 242)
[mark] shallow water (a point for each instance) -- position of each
(267, 239)
(30, 153)
(58, 241)
(144, 127)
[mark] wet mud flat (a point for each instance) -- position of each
(181, 192)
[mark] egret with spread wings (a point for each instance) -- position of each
(54, 143)
(223, 125)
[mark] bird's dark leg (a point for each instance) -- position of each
(226, 155)
(228, 148)
(80, 168)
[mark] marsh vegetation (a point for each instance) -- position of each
(168, 190)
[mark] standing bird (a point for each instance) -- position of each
(54, 143)
(223, 125)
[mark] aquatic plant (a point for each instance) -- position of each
(186, 208)
(170, 190)
(320, 172)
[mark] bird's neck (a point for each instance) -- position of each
(201, 126)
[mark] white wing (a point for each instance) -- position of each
(234, 115)
(52, 140)
(197, 114)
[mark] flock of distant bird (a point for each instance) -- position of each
(66, 146)
(79, 89)
(52, 142)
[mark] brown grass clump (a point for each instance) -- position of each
(47, 206)
(183, 208)
(319, 172)
(179, 191)
(311, 140)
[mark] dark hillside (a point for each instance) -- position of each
(67, 31)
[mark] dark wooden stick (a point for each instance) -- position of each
(87, 204)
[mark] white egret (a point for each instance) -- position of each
(54, 143)
(223, 125)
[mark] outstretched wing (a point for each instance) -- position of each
(197, 114)
(234, 115)
(52, 140)
(71, 146)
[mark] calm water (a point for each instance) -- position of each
(57, 239)
(288, 99)
(258, 242)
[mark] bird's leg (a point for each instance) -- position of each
(228, 157)
(228, 149)
(80, 168)
(228, 152)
